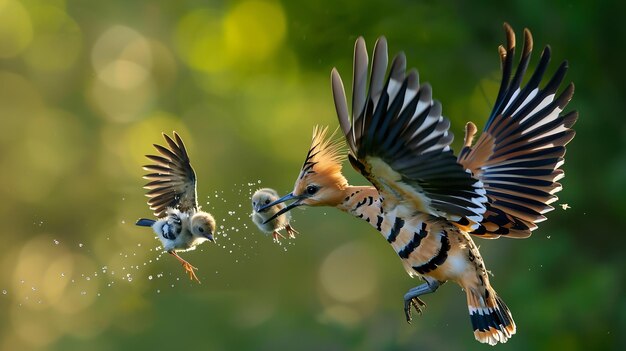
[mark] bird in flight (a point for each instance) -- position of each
(263, 197)
(181, 225)
(426, 202)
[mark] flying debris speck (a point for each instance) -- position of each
(565, 206)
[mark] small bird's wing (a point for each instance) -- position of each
(399, 140)
(173, 180)
(518, 155)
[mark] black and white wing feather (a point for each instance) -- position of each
(172, 179)
(520, 151)
(399, 140)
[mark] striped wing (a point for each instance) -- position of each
(399, 140)
(172, 179)
(518, 155)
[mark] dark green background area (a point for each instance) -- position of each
(86, 88)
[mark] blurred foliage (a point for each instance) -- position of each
(87, 87)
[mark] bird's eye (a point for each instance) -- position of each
(267, 201)
(311, 189)
(253, 203)
(200, 229)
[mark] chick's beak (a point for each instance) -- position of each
(209, 237)
(287, 197)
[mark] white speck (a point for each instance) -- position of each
(83, 293)
(4, 292)
(130, 279)
(80, 245)
(158, 291)
(565, 206)
(33, 288)
(172, 285)
(123, 221)
(259, 181)
(87, 278)
(22, 281)
(56, 242)
(62, 274)
(548, 237)
(149, 277)
(139, 245)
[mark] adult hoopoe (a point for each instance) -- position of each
(181, 225)
(424, 200)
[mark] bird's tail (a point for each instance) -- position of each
(144, 222)
(491, 319)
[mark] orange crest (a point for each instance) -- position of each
(325, 155)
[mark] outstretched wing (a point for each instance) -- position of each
(518, 155)
(399, 140)
(173, 180)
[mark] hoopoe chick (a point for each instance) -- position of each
(181, 224)
(263, 197)
(426, 202)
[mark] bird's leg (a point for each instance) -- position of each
(189, 269)
(292, 232)
(276, 235)
(411, 298)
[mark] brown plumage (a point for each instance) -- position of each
(424, 200)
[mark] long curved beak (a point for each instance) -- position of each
(287, 197)
(209, 237)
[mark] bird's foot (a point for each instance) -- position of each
(189, 269)
(277, 235)
(416, 303)
(411, 299)
(292, 232)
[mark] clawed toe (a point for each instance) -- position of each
(415, 303)
(292, 232)
(189, 269)
(277, 235)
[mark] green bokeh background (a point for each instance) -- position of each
(87, 87)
